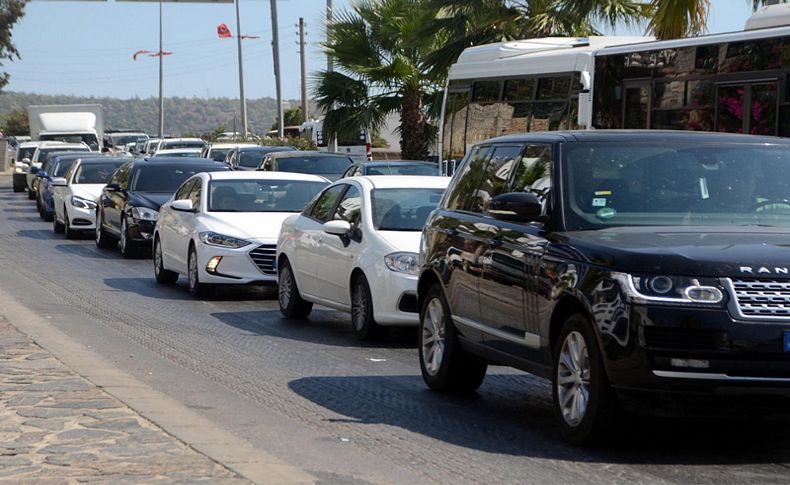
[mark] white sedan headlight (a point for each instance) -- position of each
(144, 214)
(403, 263)
(82, 203)
(223, 241)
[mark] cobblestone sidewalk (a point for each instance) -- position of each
(56, 427)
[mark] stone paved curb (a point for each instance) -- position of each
(56, 427)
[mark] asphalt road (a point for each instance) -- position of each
(311, 395)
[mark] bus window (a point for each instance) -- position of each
(455, 125)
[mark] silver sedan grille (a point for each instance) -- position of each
(264, 258)
(758, 298)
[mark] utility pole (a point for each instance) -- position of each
(330, 65)
(303, 59)
(277, 80)
(241, 75)
(161, 77)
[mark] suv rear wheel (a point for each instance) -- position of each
(584, 402)
(444, 364)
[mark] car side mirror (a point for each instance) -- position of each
(184, 205)
(42, 173)
(113, 187)
(34, 169)
(59, 182)
(26, 160)
(338, 228)
(516, 207)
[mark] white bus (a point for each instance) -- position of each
(736, 82)
(358, 148)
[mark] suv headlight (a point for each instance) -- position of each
(221, 240)
(144, 214)
(403, 263)
(82, 203)
(670, 289)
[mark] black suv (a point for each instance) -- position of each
(635, 269)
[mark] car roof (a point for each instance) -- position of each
(233, 145)
(249, 175)
(98, 160)
(401, 181)
(627, 136)
(179, 150)
(77, 154)
(306, 153)
(60, 144)
(30, 144)
(183, 139)
(176, 161)
(381, 163)
(267, 148)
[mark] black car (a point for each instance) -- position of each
(249, 158)
(392, 167)
(642, 270)
(129, 205)
(329, 165)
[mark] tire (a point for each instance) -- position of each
(365, 327)
(445, 366)
(31, 195)
(57, 226)
(292, 305)
(103, 239)
(127, 247)
(196, 288)
(579, 381)
(48, 217)
(67, 230)
(162, 275)
(39, 208)
(19, 188)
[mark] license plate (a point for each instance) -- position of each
(787, 341)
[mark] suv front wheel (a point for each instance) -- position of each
(584, 402)
(444, 364)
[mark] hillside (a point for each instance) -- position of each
(182, 115)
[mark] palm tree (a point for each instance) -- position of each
(380, 56)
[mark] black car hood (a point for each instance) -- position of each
(693, 251)
(151, 200)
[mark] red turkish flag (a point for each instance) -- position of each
(142, 51)
(223, 31)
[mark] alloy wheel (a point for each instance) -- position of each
(359, 306)
(573, 378)
(124, 242)
(157, 258)
(433, 337)
(285, 286)
(193, 270)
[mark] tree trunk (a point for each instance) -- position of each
(413, 144)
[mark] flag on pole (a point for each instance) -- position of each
(223, 32)
(140, 52)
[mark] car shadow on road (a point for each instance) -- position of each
(511, 414)
(35, 233)
(325, 327)
(30, 218)
(148, 287)
(84, 250)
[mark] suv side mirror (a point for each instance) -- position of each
(516, 207)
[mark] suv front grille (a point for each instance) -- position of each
(761, 298)
(264, 258)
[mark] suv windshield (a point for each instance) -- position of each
(26, 152)
(403, 209)
(163, 178)
(261, 195)
(314, 165)
(95, 173)
(610, 184)
(403, 169)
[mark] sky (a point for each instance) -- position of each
(85, 48)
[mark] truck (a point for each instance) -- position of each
(71, 123)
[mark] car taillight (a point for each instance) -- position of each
(368, 151)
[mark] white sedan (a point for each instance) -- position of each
(355, 249)
(222, 227)
(74, 196)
